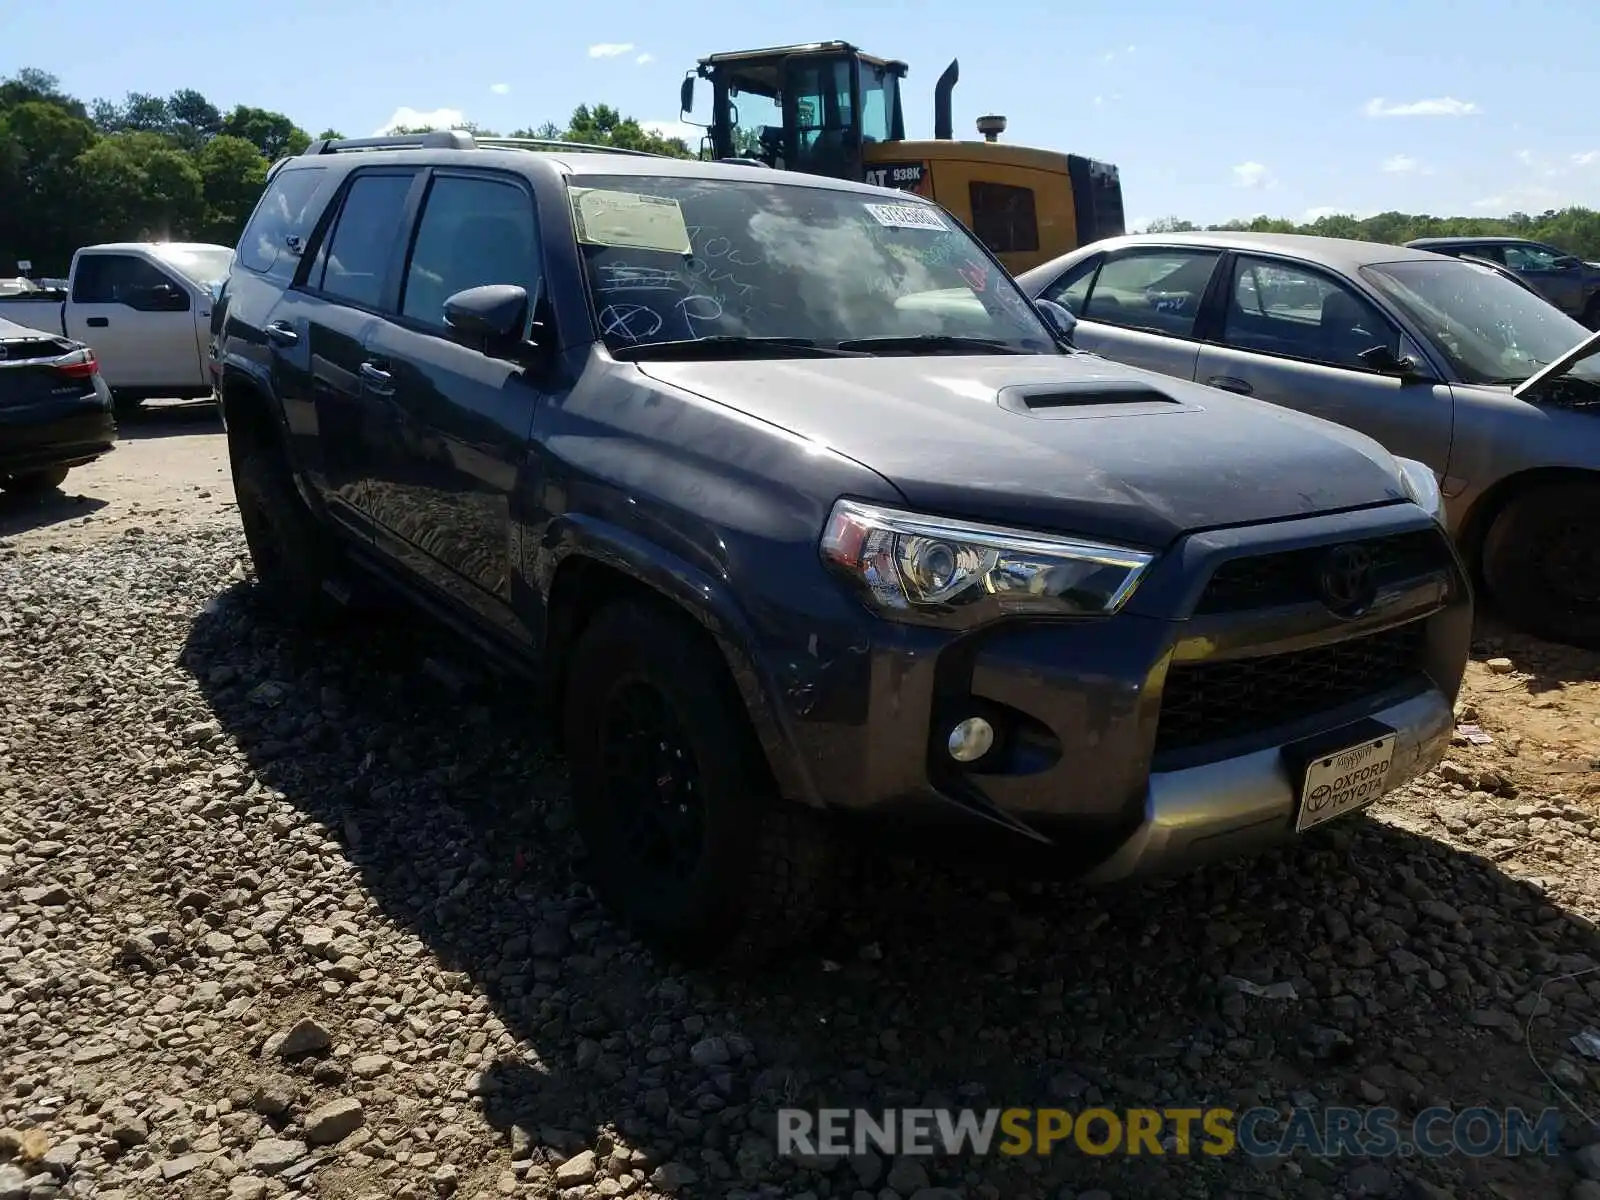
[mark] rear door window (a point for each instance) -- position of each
(1159, 289)
(353, 261)
(284, 211)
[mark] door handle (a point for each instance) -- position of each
(1229, 383)
(98, 322)
(377, 379)
(282, 333)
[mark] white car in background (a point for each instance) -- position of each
(144, 308)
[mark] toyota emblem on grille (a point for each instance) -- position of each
(1345, 581)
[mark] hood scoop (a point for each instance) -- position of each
(1077, 399)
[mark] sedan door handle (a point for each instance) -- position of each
(98, 322)
(282, 333)
(377, 379)
(1229, 383)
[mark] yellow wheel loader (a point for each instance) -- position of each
(826, 108)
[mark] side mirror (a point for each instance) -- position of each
(1567, 263)
(491, 318)
(686, 95)
(1386, 361)
(1060, 319)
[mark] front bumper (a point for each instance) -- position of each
(1245, 804)
(58, 432)
(1151, 741)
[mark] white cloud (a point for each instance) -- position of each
(609, 49)
(1399, 164)
(1099, 100)
(411, 118)
(645, 58)
(1252, 175)
(500, 89)
(1443, 106)
(1587, 159)
(674, 129)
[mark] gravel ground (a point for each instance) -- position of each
(285, 916)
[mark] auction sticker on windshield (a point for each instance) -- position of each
(908, 216)
(639, 222)
(1342, 782)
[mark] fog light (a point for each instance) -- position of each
(971, 739)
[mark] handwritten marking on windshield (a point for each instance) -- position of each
(631, 322)
(709, 309)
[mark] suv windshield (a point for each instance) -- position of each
(675, 260)
(1490, 329)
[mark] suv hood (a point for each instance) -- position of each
(1070, 443)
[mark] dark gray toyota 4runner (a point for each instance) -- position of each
(805, 513)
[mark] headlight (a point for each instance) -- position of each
(928, 569)
(1422, 487)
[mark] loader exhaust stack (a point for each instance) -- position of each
(944, 128)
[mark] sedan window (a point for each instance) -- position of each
(1158, 289)
(1278, 308)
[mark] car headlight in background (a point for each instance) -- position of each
(1422, 487)
(923, 568)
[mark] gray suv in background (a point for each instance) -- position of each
(1565, 280)
(801, 511)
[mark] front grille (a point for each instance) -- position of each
(1290, 576)
(1210, 702)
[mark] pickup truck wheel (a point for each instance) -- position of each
(686, 837)
(1542, 564)
(33, 482)
(291, 553)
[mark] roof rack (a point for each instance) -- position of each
(459, 139)
(434, 139)
(519, 143)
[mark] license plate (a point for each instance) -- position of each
(1343, 782)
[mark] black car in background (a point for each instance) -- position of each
(1568, 282)
(55, 409)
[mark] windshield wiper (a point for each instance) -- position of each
(932, 343)
(731, 345)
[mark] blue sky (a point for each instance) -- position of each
(1212, 110)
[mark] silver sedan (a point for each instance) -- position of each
(1440, 359)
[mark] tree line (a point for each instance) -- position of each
(1574, 230)
(149, 167)
(172, 167)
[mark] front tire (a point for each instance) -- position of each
(34, 483)
(292, 554)
(687, 839)
(1541, 562)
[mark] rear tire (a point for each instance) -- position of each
(687, 839)
(1541, 562)
(1591, 314)
(124, 405)
(292, 553)
(34, 482)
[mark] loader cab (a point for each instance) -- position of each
(810, 108)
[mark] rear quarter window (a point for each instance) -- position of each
(287, 209)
